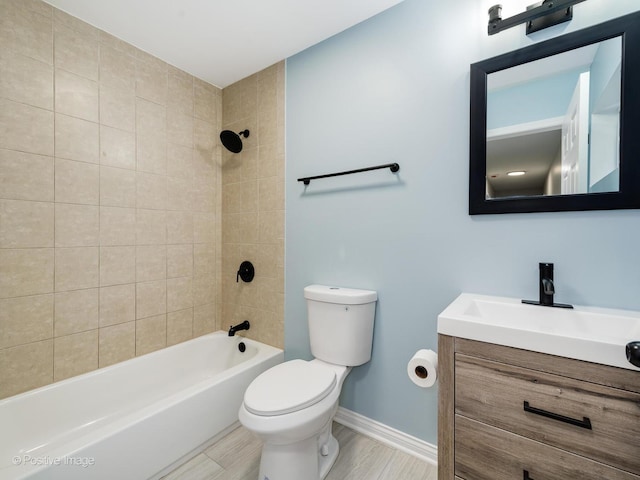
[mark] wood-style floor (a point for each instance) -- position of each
(237, 457)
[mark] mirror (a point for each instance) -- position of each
(542, 147)
(552, 126)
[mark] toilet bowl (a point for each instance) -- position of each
(291, 406)
(295, 429)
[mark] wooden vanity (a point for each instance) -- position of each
(510, 414)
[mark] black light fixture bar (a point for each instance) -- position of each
(394, 167)
(551, 12)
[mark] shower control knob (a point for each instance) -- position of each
(246, 272)
(633, 353)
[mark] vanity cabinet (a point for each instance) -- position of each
(507, 414)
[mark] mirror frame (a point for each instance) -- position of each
(628, 195)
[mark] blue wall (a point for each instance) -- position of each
(605, 63)
(396, 89)
(541, 99)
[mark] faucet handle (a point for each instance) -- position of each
(246, 272)
(548, 287)
(633, 353)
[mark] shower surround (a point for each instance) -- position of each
(111, 200)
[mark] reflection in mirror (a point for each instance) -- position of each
(595, 99)
(553, 124)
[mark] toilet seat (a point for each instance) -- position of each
(289, 387)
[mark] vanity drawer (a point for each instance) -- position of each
(484, 452)
(598, 422)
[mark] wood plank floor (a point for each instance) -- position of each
(237, 457)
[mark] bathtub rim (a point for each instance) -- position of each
(268, 351)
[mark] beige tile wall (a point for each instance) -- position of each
(110, 199)
(253, 205)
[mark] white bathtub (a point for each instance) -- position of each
(132, 420)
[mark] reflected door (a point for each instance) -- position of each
(575, 139)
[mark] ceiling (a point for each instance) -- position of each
(223, 41)
(533, 153)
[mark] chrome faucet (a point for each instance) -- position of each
(547, 288)
(241, 326)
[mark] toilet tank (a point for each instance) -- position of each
(340, 323)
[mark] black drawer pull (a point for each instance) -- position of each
(525, 475)
(584, 423)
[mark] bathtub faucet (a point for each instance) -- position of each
(241, 326)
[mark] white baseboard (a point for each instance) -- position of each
(387, 435)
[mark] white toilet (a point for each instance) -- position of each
(291, 406)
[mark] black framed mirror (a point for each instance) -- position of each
(556, 126)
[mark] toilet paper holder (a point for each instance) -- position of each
(423, 368)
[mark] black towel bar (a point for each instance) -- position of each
(394, 167)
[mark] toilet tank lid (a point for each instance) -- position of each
(339, 295)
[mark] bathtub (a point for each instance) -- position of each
(134, 420)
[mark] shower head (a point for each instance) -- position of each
(232, 141)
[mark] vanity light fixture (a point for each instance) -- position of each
(516, 173)
(537, 16)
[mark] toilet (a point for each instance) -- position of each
(291, 406)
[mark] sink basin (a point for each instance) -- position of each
(592, 334)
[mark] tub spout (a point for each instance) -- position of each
(241, 326)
